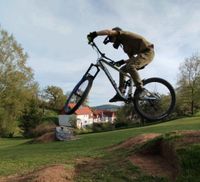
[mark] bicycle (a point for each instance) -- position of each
(156, 104)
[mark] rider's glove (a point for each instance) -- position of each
(119, 63)
(91, 36)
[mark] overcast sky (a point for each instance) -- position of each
(53, 33)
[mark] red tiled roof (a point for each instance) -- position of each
(82, 110)
(85, 110)
(71, 104)
(103, 112)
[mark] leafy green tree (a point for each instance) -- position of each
(54, 97)
(16, 82)
(85, 102)
(31, 118)
(189, 81)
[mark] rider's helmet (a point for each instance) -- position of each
(116, 41)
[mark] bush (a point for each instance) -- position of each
(97, 127)
(82, 131)
(31, 118)
(51, 119)
(8, 124)
(121, 124)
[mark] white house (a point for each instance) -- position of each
(104, 116)
(85, 116)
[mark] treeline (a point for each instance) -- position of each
(22, 102)
(24, 105)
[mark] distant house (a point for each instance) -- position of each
(85, 116)
(100, 116)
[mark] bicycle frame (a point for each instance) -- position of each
(101, 64)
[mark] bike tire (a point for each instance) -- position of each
(149, 113)
(72, 104)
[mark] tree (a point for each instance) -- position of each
(126, 115)
(16, 82)
(54, 97)
(189, 81)
(31, 118)
(85, 102)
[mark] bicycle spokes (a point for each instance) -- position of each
(156, 101)
(78, 95)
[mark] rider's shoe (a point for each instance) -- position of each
(116, 98)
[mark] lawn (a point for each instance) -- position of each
(19, 156)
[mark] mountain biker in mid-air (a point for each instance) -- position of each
(138, 49)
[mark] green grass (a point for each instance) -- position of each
(18, 156)
(190, 162)
(198, 113)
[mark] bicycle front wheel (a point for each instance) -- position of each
(78, 95)
(157, 102)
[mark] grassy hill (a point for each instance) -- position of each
(17, 156)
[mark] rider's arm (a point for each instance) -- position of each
(107, 32)
(110, 33)
(92, 35)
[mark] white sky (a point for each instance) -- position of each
(53, 33)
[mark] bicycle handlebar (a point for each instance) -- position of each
(93, 44)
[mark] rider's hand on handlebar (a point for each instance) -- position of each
(91, 36)
(119, 63)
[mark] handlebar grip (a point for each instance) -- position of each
(89, 40)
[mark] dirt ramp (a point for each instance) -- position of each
(134, 141)
(157, 157)
(54, 173)
(154, 165)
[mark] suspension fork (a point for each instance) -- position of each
(92, 74)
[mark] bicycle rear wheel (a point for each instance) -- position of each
(157, 102)
(78, 95)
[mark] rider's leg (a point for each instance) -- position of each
(136, 63)
(131, 67)
(132, 70)
(117, 97)
(122, 78)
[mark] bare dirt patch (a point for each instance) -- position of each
(54, 173)
(50, 137)
(88, 165)
(45, 138)
(153, 165)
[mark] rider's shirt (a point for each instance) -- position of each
(133, 43)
